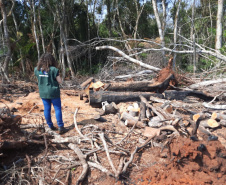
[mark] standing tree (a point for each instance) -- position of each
(218, 40)
(161, 24)
(7, 41)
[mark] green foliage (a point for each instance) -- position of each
(143, 55)
(204, 64)
(103, 31)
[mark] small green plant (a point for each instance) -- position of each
(73, 169)
(143, 55)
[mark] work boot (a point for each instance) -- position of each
(53, 128)
(62, 130)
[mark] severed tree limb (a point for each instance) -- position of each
(76, 125)
(128, 57)
(120, 167)
(211, 106)
(107, 152)
(141, 73)
(206, 83)
(82, 158)
(130, 160)
(101, 168)
(134, 152)
(143, 99)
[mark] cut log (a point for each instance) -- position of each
(148, 113)
(131, 122)
(140, 86)
(96, 98)
(168, 109)
(218, 116)
(110, 108)
(134, 112)
(126, 116)
(142, 115)
(84, 84)
(155, 122)
(209, 123)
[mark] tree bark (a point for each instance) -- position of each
(7, 41)
(34, 25)
(160, 25)
(40, 27)
(175, 32)
(96, 98)
(218, 43)
(18, 37)
(140, 86)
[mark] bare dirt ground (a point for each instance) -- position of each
(179, 161)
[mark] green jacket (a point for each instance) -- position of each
(47, 83)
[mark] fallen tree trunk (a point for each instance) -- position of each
(95, 98)
(140, 86)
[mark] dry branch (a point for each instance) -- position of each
(128, 57)
(107, 152)
(82, 158)
(206, 83)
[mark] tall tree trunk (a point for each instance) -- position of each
(192, 35)
(138, 17)
(159, 24)
(108, 3)
(218, 43)
(124, 36)
(61, 21)
(21, 55)
(175, 32)
(211, 23)
(35, 33)
(88, 36)
(40, 27)
(7, 41)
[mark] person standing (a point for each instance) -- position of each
(49, 90)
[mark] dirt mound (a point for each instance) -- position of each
(188, 162)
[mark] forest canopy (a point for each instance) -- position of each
(193, 32)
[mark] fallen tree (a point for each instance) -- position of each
(141, 86)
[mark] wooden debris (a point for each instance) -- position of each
(111, 108)
(213, 123)
(85, 83)
(96, 98)
(151, 132)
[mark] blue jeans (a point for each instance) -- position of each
(47, 111)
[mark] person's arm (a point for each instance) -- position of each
(58, 79)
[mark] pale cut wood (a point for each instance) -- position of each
(85, 83)
(126, 116)
(131, 122)
(134, 112)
